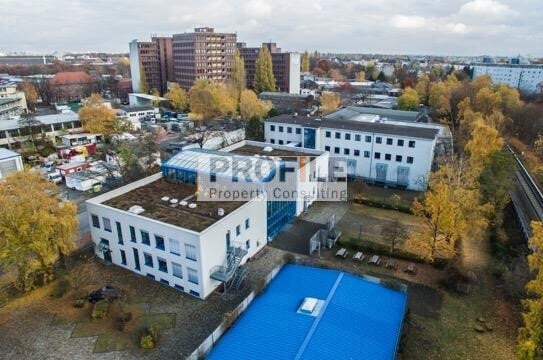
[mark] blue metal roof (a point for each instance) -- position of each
(359, 320)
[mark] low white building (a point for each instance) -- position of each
(157, 227)
(12, 101)
(137, 114)
(378, 150)
(51, 125)
(527, 78)
(10, 161)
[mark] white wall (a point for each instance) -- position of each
(525, 78)
(134, 65)
(294, 73)
(422, 153)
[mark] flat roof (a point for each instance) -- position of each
(275, 151)
(7, 154)
(149, 197)
(66, 116)
(363, 126)
(358, 319)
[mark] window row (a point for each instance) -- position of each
(368, 139)
(289, 129)
(159, 241)
(367, 154)
(176, 269)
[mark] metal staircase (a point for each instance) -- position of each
(224, 273)
(238, 278)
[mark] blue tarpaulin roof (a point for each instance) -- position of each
(360, 319)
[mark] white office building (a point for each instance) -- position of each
(10, 162)
(527, 78)
(378, 150)
(157, 227)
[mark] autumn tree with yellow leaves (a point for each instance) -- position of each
(330, 101)
(409, 100)
(530, 339)
(178, 97)
(97, 117)
(36, 228)
(250, 107)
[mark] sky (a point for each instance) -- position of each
(436, 27)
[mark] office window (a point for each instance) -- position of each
(400, 142)
(346, 151)
(119, 232)
(150, 276)
(175, 247)
(411, 143)
(280, 129)
(123, 257)
(136, 259)
(388, 156)
(289, 130)
(179, 287)
(238, 230)
(132, 234)
(338, 135)
(377, 155)
(194, 293)
(247, 224)
(357, 137)
(390, 141)
(272, 141)
(327, 148)
(164, 281)
(177, 270)
(298, 131)
(347, 136)
(368, 138)
(190, 250)
(366, 154)
(145, 237)
(159, 242)
(192, 276)
(148, 259)
(336, 150)
(328, 134)
(378, 140)
(162, 266)
(356, 152)
(247, 245)
(410, 160)
(398, 158)
(95, 221)
(107, 224)
(280, 142)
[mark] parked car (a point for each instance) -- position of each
(54, 177)
(106, 293)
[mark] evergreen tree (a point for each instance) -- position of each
(264, 78)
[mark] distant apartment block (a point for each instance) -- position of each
(286, 67)
(12, 101)
(202, 54)
(151, 61)
(27, 59)
(527, 78)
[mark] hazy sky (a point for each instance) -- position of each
(463, 27)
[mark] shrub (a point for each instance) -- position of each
(79, 303)
(61, 288)
(392, 203)
(147, 342)
(289, 258)
(100, 309)
(228, 318)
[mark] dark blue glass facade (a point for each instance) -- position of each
(186, 176)
(309, 138)
(279, 213)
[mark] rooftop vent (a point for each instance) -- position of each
(165, 198)
(267, 149)
(311, 306)
(174, 201)
(183, 203)
(192, 205)
(136, 209)
(220, 212)
(295, 114)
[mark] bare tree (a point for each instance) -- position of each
(395, 234)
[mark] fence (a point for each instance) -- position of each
(206, 346)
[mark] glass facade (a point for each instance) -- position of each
(309, 138)
(279, 213)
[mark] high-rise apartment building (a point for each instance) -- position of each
(286, 67)
(152, 62)
(202, 54)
